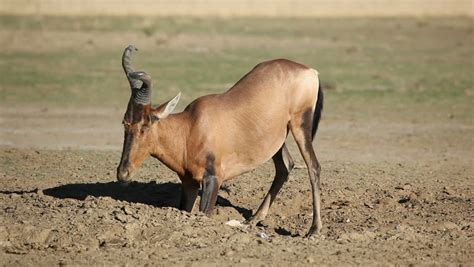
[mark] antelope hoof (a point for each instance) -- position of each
(252, 221)
(256, 221)
(313, 231)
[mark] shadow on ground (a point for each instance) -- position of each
(158, 195)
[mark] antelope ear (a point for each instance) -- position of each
(165, 109)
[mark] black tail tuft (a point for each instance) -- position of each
(318, 110)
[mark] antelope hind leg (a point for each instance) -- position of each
(283, 165)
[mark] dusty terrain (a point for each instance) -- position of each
(395, 143)
(393, 193)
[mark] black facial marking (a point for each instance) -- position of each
(137, 114)
(134, 113)
(127, 143)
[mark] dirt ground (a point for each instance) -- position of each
(394, 193)
(395, 143)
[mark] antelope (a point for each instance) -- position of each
(220, 136)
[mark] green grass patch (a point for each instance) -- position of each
(372, 64)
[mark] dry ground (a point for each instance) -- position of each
(395, 144)
(393, 193)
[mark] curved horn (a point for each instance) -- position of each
(141, 95)
(127, 67)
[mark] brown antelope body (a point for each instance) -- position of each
(218, 137)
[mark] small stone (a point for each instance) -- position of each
(16, 250)
(238, 248)
(39, 192)
(447, 190)
(368, 205)
(309, 260)
(447, 226)
(127, 210)
(39, 236)
(243, 260)
(263, 236)
(235, 223)
(468, 226)
(89, 211)
(404, 199)
(121, 218)
(228, 253)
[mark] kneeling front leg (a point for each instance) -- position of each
(189, 193)
(210, 187)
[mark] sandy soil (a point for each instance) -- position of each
(394, 193)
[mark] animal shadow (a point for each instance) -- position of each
(151, 193)
(223, 202)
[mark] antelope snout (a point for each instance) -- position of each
(123, 175)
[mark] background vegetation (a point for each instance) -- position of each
(408, 66)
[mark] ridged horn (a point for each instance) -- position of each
(141, 95)
(127, 67)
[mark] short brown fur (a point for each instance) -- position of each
(218, 137)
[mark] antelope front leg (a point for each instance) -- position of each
(210, 187)
(189, 192)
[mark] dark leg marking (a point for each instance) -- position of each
(318, 110)
(210, 169)
(210, 186)
(307, 121)
(209, 194)
(307, 127)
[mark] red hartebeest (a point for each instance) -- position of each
(220, 136)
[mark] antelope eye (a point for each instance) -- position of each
(143, 128)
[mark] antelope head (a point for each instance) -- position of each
(140, 120)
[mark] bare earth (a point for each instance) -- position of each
(394, 193)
